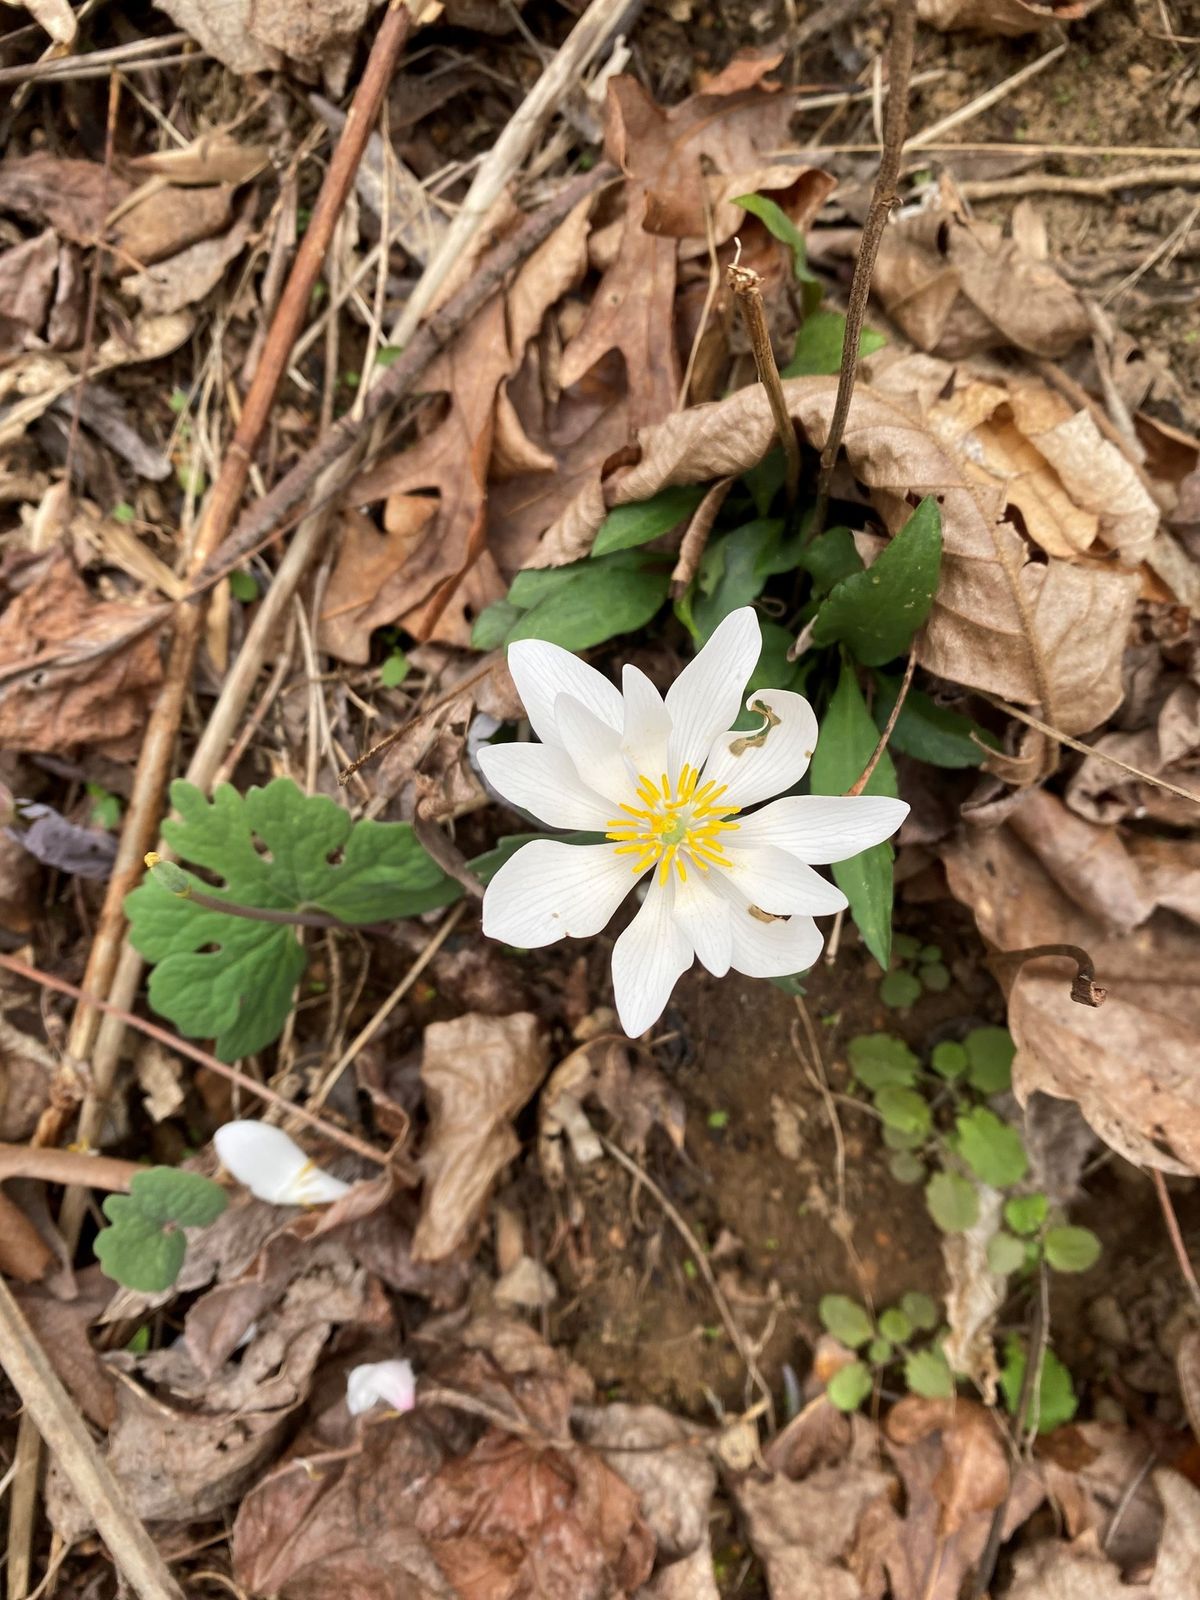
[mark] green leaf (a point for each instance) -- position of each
(494, 624)
(935, 977)
(137, 1253)
(875, 613)
(1056, 1401)
(597, 603)
(1005, 1254)
(1025, 1213)
(845, 1319)
(168, 1194)
(732, 573)
(920, 1310)
(123, 512)
(850, 1386)
(1071, 1249)
(780, 226)
(894, 1325)
(991, 1148)
(927, 1373)
(819, 342)
(880, 1058)
(394, 670)
(243, 586)
(906, 947)
(905, 1110)
(847, 741)
(927, 731)
(894, 1139)
(899, 990)
(230, 978)
(628, 526)
(990, 1052)
(831, 557)
(879, 1351)
(949, 1060)
(906, 1167)
(953, 1202)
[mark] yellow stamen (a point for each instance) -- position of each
(677, 825)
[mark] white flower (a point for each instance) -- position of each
(273, 1167)
(669, 786)
(389, 1381)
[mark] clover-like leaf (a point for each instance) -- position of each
(144, 1246)
(231, 978)
(168, 1194)
(850, 1386)
(1005, 1254)
(949, 1060)
(990, 1052)
(1025, 1213)
(895, 1325)
(904, 1110)
(845, 1319)
(899, 990)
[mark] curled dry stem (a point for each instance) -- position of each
(1085, 991)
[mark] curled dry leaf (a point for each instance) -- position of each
(215, 157)
(1007, 18)
(804, 1532)
(183, 279)
(1049, 633)
(1088, 1468)
(957, 286)
(27, 278)
(74, 197)
(97, 683)
(478, 1072)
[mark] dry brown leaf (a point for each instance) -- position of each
(27, 277)
(803, 1532)
(215, 157)
(367, 562)
(974, 1296)
(478, 1072)
(1006, 18)
(99, 698)
(166, 220)
(1166, 745)
(62, 1328)
(74, 197)
(957, 287)
(222, 27)
(1049, 633)
(183, 279)
(1088, 1469)
(669, 1471)
(56, 16)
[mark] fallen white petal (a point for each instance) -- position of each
(273, 1167)
(648, 959)
(543, 671)
(550, 890)
(390, 1381)
(707, 695)
(543, 781)
(775, 881)
(822, 828)
(754, 771)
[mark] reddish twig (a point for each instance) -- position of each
(1176, 1235)
(900, 59)
(893, 717)
(1085, 991)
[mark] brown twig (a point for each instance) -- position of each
(66, 1166)
(1176, 1235)
(893, 717)
(695, 540)
(1085, 991)
(1094, 188)
(264, 520)
(746, 286)
(172, 1041)
(900, 58)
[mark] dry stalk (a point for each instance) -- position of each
(900, 58)
(1085, 991)
(746, 286)
(905, 685)
(695, 540)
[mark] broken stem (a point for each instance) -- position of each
(745, 283)
(893, 718)
(66, 1166)
(900, 59)
(1085, 991)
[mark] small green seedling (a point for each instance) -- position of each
(144, 1245)
(901, 1336)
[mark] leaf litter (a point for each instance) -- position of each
(562, 401)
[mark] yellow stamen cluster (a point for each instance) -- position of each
(680, 825)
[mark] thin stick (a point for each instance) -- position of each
(745, 283)
(706, 1272)
(117, 55)
(984, 101)
(893, 717)
(900, 57)
(194, 1053)
(695, 540)
(1085, 991)
(1093, 188)
(66, 1166)
(1175, 1234)
(58, 1421)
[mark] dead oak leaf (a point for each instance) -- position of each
(73, 196)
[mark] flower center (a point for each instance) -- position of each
(680, 825)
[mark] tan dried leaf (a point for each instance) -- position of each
(168, 218)
(27, 277)
(183, 279)
(74, 197)
(222, 27)
(56, 16)
(212, 158)
(478, 1072)
(803, 1532)
(368, 562)
(1005, 18)
(668, 1469)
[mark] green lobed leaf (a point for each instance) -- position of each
(732, 573)
(953, 1202)
(231, 978)
(847, 741)
(627, 526)
(136, 1252)
(949, 1060)
(927, 1373)
(920, 1310)
(1056, 1401)
(850, 1386)
(990, 1052)
(845, 1319)
(880, 1058)
(905, 1110)
(1025, 1213)
(1071, 1249)
(875, 613)
(926, 731)
(598, 602)
(894, 1325)
(168, 1194)
(899, 990)
(819, 342)
(1005, 1254)
(991, 1148)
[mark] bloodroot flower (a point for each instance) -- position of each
(671, 788)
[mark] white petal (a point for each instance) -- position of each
(543, 781)
(647, 726)
(550, 890)
(707, 695)
(705, 919)
(780, 760)
(595, 750)
(822, 828)
(648, 959)
(543, 671)
(273, 1167)
(775, 881)
(389, 1381)
(769, 949)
